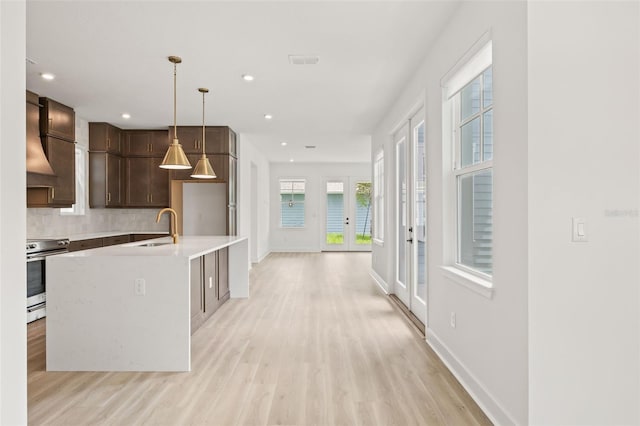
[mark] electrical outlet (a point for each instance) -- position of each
(139, 287)
(453, 320)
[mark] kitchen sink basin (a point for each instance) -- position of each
(153, 244)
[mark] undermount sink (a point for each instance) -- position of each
(152, 244)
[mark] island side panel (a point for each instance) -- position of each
(238, 269)
(97, 322)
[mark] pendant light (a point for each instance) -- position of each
(203, 169)
(175, 157)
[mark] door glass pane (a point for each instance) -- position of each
(470, 99)
(487, 145)
(487, 90)
(470, 142)
(475, 222)
(363, 213)
(401, 215)
(420, 222)
(335, 213)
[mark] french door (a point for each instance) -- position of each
(411, 214)
(347, 215)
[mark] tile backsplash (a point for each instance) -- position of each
(51, 223)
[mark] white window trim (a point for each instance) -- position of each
(468, 280)
(79, 207)
(474, 62)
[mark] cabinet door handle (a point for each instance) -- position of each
(150, 147)
(151, 198)
(108, 197)
(53, 193)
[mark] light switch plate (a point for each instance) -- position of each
(140, 287)
(579, 230)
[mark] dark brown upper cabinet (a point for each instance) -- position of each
(59, 191)
(219, 139)
(145, 143)
(57, 120)
(146, 184)
(57, 135)
(105, 180)
(103, 137)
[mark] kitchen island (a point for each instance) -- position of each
(128, 307)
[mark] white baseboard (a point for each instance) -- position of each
(491, 407)
(261, 258)
(378, 279)
(296, 250)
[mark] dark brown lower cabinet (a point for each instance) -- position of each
(209, 285)
(197, 308)
(116, 239)
(85, 244)
(143, 237)
(223, 275)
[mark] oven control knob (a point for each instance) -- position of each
(62, 243)
(31, 246)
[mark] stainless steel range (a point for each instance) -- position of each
(37, 251)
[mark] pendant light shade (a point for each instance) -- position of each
(203, 169)
(175, 157)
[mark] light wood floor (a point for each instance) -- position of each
(316, 344)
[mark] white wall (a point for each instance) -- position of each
(488, 348)
(310, 237)
(584, 140)
(13, 337)
(249, 154)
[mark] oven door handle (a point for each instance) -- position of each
(35, 259)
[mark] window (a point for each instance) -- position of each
(292, 193)
(473, 173)
(79, 207)
(378, 197)
(468, 183)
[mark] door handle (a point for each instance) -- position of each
(410, 240)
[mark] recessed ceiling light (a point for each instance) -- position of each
(268, 116)
(126, 116)
(47, 76)
(247, 77)
(283, 143)
(291, 160)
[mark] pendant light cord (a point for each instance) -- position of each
(175, 125)
(203, 138)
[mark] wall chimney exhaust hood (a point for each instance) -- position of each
(37, 161)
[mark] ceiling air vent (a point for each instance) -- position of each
(303, 59)
(310, 146)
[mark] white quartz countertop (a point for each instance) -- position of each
(188, 246)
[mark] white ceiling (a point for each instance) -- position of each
(111, 57)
